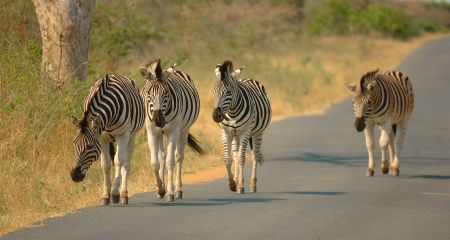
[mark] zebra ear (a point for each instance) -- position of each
(237, 72)
(74, 121)
(96, 123)
(155, 68)
(350, 86)
(371, 85)
(217, 70)
(144, 72)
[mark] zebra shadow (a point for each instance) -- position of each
(321, 158)
(315, 193)
(434, 177)
(202, 203)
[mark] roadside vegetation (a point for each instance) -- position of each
(302, 51)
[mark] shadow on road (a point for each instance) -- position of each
(316, 193)
(436, 177)
(314, 157)
(245, 200)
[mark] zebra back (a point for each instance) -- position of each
(392, 95)
(116, 100)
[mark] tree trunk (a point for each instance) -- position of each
(64, 26)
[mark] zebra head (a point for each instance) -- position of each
(362, 104)
(86, 144)
(225, 88)
(157, 96)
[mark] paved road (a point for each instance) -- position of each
(312, 185)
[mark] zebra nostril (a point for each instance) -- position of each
(160, 121)
(360, 124)
(76, 174)
(217, 115)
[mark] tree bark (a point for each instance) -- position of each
(64, 26)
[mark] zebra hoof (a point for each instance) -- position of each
(124, 200)
(161, 194)
(104, 201)
(240, 190)
(170, 198)
(179, 195)
(232, 185)
(370, 173)
(396, 172)
(253, 189)
(385, 170)
(115, 198)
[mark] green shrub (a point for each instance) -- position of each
(341, 17)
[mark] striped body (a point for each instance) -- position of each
(113, 112)
(385, 99)
(243, 112)
(392, 98)
(172, 106)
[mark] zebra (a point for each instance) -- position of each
(172, 106)
(113, 112)
(385, 99)
(242, 110)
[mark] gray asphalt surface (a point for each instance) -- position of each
(312, 185)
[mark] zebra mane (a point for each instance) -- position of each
(154, 67)
(226, 68)
(367, 78)
(84, 122)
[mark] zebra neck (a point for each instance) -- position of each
(240, 102)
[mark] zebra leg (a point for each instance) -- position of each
(235, 155)
(398, 145)
(242, 149)
(162, 166)
(392, 151)
(154, 142)
(370, 145)
(125, 171)
(385, 142)
(179, 157)
(119, 161)
(257, 157)
(170, 163)
(226, 141)
(106, 169)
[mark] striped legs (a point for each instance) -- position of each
(179, 157)
(226, 142)
(243, 141)
(173, 139)
(257, 157)
(122, 165)
(370, 144)
(106, 168)
(122, 162)
(387, 140)
(157, 159)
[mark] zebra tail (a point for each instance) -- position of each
(194, 144)
(112, 151)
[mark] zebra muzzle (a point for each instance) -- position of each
(77, 175)
(218, 116)
(158, 116)
(360, 124)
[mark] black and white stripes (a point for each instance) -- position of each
(243, 112)
(385, 99)
(172, 105)
(113, 112)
